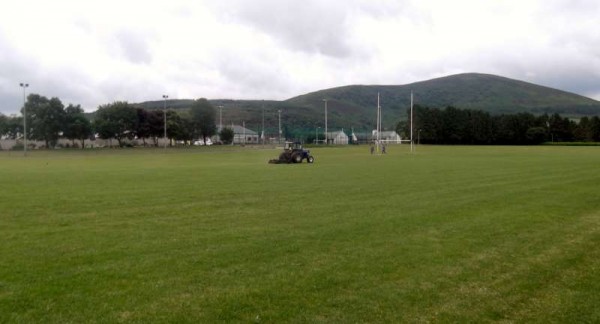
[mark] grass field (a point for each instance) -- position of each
(449, 234)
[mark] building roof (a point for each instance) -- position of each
(335, 133)
(237, 129)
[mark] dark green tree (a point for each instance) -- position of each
(150, 124)
(13, 127)
(180, 127)
(76, 126)
(226, 135)
(117, 120)
(536, 135)
(3, 125)
(203, 116)
(560, 128)
(45, 118)
(595, 128)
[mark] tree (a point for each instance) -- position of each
(150, 124)
(46, 118)
(560, 128)
(595, 128)
(116, 120)
(203, 116)
(535, 135)
(226, 135)
(76, 125)
(3, 125)
(156, 124)
(13, 126)
(180, 127)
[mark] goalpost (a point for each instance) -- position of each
(379, 141)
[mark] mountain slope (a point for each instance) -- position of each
(486, 92)
(355, 105)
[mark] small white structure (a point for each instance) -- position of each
(337, 138)
(388, 136)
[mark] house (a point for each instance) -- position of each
(241, 135)
(337, 138)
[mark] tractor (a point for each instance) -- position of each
(293, 153)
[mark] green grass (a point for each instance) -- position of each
(449, 234)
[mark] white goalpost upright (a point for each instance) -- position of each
(412, 146)
(378, 127)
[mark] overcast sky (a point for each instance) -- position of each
(96, 52)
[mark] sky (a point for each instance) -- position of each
(91, 52)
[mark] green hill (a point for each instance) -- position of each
(355, 105)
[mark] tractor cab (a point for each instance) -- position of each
(293, 146)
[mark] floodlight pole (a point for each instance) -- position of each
(378, 123)
(24, 86)
(165, 118)
(220, 118)
(411, 123)
(220, 122)
(279, 112)
(317, 135)
(326, 139)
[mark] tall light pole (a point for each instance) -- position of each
(24, 86)
(220, 118)
(411, 123)
(279, 111)
(378, 124)
(262, 134)
(326, 141)
(317, 135)
(220, 122)
(165, 118)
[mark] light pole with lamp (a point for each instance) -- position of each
(326, 141)
(220, 118)
(279, 111)
(24, 86)
(165, 97)
(317, 135)
(220, 122)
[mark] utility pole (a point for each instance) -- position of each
(220, 118)
(24, 86)
(378, 124)
(279, 111)
(165, 118)
(411, 123)
(326, 136)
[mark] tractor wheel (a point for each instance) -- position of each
(284, 157)
(310, 159)
(297, 158)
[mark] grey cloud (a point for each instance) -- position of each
(134, 46)
(253, 75)
(307, 26)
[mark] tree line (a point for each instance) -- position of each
(462, 126)
(48, 120)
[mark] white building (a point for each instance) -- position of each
(337, 138)
(241, 135)
(388, 136)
